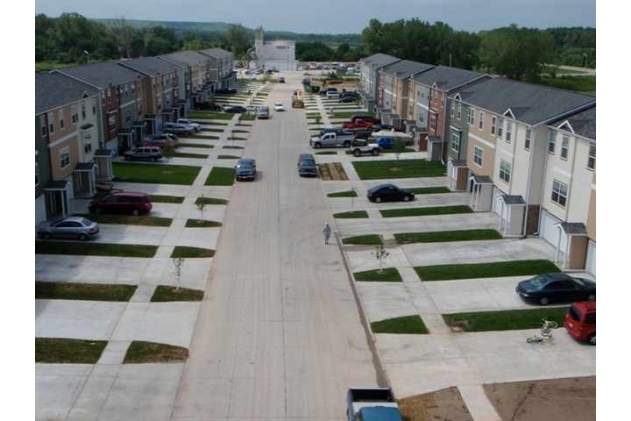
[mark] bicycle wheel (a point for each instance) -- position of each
(534, 340)
(552, 324)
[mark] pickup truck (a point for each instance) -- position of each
(372, 404)
(332, 140)
(360, 148)
(364, 117)
(358, 124)
(337, 130)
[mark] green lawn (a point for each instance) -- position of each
(387, 275)
(212, 130)
(194, 145)
(68, 351)
(210, 201)
(220, 176)
(370, 239)
(350, 114)
(351, 215)
(165, 293)
(403, 168)
(157, 198)
(94, 249)
(486, 321)
(77, 291)
(140, 352)
(228, 157)
(326, 153)
(206, 115)
(406, 324)
(190, 155)
(207, 136)
(191, 252)
(429, 190)
(485, 270)
(573, 83)
(445, 236)
(233, 147)
(432, 210)
(155, 173)
(348, 193)
(196, 223)
(392, 151)
(145, 220)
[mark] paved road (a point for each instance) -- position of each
(279, 334)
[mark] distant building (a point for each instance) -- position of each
(280, 54)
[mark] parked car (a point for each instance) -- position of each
(235, 109)
(225, 91)
(178, 128)
(262, 113)
(211, 106)
(323, 92)
(347, 99)
(281, 80)
(389, 193)
(556, 287)
(332, 95)
(196, 126)
(160, 139)
(134, 203)
(307, 165)
(278, 106)
(580, 321)
(245, 169)
(365, 117)
(72, 227)
(147, 153)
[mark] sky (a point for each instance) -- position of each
(337, 16)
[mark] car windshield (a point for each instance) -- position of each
(539, 281)
(575, 313)
(84, 221)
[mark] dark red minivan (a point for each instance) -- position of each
(134, 203)
(580, 321)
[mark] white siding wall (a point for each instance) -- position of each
(40, 209)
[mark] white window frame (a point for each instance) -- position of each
(509, 131)
(505, 171)
(471, 116)
(591, 158)
(560, 193)
(500, 128)
(455, 141)
(478, 156)
(493, 124)
(452, 110)
(64, 155)
(528, 139)
(565, 147)
(552, 142)
(459, 110)
(481, 121)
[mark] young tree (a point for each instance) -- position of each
(381, 253)
(398, 147)
(201, 204)
(168, 151)
(178, 262)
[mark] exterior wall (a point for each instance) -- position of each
(591, 213)
(139, 99)
(488, 155)
(381, 87)
(578, 252)
(127, 106)
(462, 127)
(42, 157)
(60, 140)
(421, 106)
(436, 106)
(111, 107)
(210, 74)
(88, 128)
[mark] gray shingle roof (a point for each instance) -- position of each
(379, 60)
(446, 77)
(189, 58)
(216, 52)
(575, 228)
(583, 123)
(513, 199)
(102, 74)
(149, 65)
(406, 68)
(54, 90)
(529, 103)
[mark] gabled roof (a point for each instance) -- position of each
(379, 60)
(53, 90)
(406, 68)
(582, 124)
(216, 52)
(529, 103)
(447, 78)
(101, 74)
(187, 58)
(150, 66)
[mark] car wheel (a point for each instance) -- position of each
(136, 212)
(45, 235)
(153, 159)
(592, 297)
(544, 301)
(591, 339)
(347, 144)
(82, 237)
(127, 158)
(378, 199)
(317, 146)
(375, 152)
(406, 198)
(357, 153)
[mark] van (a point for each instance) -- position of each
(580, 321)
(134, 203)
(150, 153)
(307, 165)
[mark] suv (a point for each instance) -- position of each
(196, 126)
(245, 169)
(262, 112)
(580, 321)
(122, 202)
(151, 153)
(307, 165)
(178, 128)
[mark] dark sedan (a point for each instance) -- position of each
(556, 288)
(389, 193)
(347, 99)
(236, 109)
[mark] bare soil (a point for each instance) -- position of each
(443, 405)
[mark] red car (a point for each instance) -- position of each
(373, 120)
(580, 321)
(358, 124)
(122, 202)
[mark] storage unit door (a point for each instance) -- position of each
(590, 262)
(550, 232)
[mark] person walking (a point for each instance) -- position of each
(327, 233)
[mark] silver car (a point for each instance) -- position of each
(72, 227)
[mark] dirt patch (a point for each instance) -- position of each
(443, 405)
(556, 399)
(332, 171)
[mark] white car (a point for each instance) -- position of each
(278, 106)
(190, 123)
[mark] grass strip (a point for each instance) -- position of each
(485, 270)
(191, 252)
(205, 115)
(140, 352)
(404, 168)
(190, 155)
(157, 198)
(194, 145)
(405, 324)
(166, 293)
(432, 210)
(369, 239)
(207, 136)
(227, 157)
(210, 201)
(351, 215)
(144, 220)
(429, 190)
(350, 114)
(155, 173)
(196, 223)
(348, 193)
(94, 249)
(488, 321)
(446, 236)
(220, 176)
(386, 275)
(88, 292)
(233, 147)
(68, 351)
(211, 130)
(326, 153)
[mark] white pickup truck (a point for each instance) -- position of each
(332, 140)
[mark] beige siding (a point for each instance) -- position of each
(70, 145)
(488, 157)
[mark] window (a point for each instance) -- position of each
(478, 153)
(528, 139)
(505, 170)
(500, 128)
(82, 110)
(128, 116)
(459, 110)
(565, 147)
(509, 131)
(74, 115)
(455, 140)
(87, 147)
(493, 124)
(93, 109)
(551, 141)
(471, 116)
(481, 121)
(64, 157)
(591, 160)
(44, 130)
(559, 193)
(61, 119)
(36, 174)
(51, 125)
(452, 110)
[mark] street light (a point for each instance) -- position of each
(87, 56)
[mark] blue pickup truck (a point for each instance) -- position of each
(376, 404)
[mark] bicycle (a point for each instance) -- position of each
(547, 326)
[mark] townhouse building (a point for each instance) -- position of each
(193, 66)
(220, 69)
(67, 137)
(368, 68)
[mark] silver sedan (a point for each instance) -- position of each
(72, 227)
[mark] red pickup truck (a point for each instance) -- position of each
(359, 124)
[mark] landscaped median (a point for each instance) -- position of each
(205, 115)
(156, 198)
(191, 252)
(399, 168)
(447, 236)
(141, 352)
(369, 239)
(94, 249)
(210, 201)
(487, 321)
(348, 193)
(427, 211)
(402, 325)
(167, 293)
(429, 190)
(201, 223)
(145, 220)
(351, 214)
(68, 351)
(220, 176)
(88, 292)
(485, 270)
(155, 173)
(376, 275)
